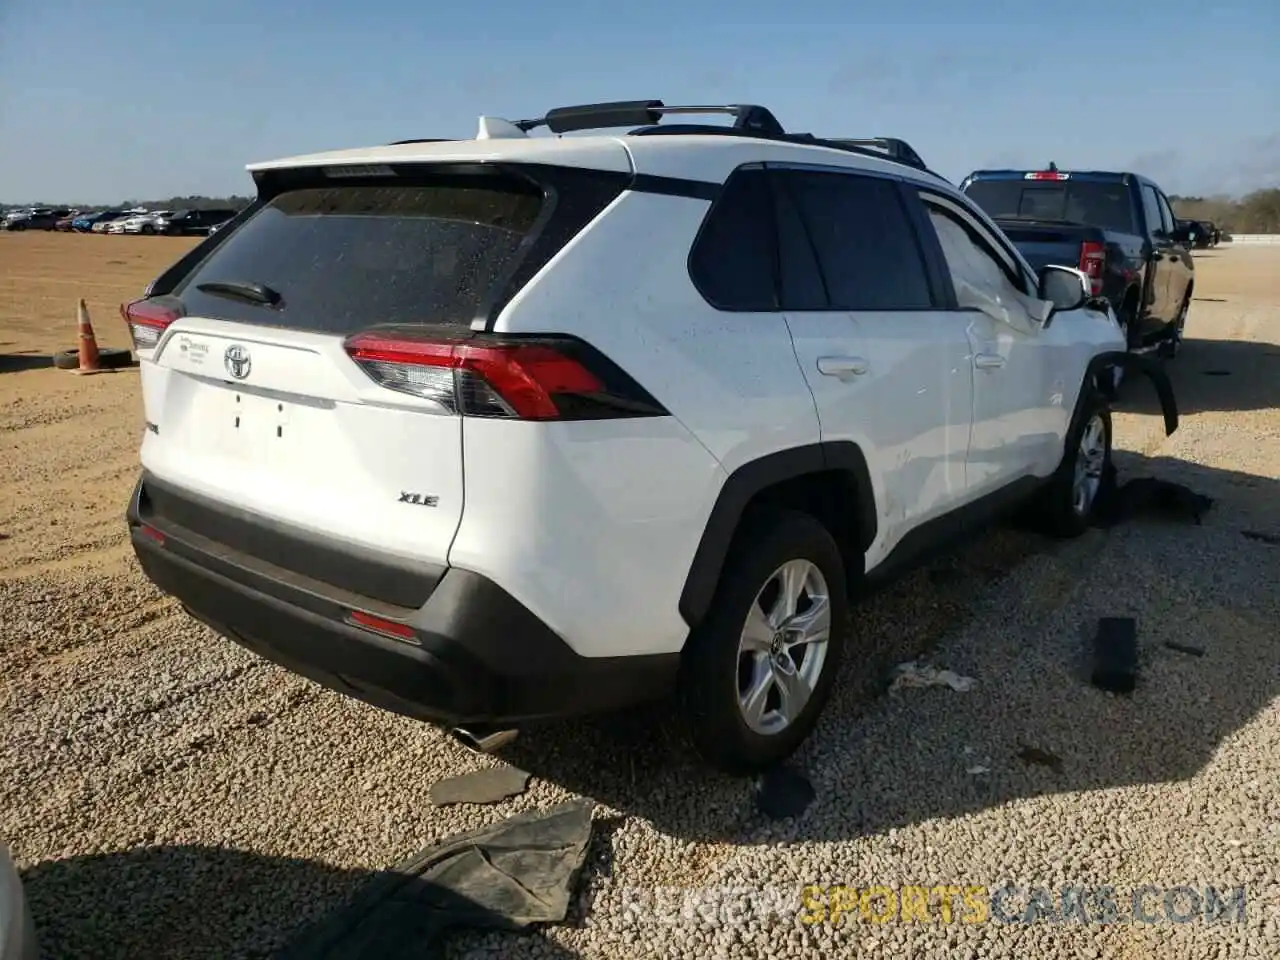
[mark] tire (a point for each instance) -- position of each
(1066, 506)
(110, 358)
(18, 226)
(148, 229)
(1172, 346)
(717, 671)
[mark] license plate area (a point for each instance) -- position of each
(255, 428)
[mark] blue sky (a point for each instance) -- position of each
(144, 99)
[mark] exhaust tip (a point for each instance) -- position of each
(483, 739)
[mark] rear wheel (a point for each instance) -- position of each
(1172, 346)
(758, 671)
(148, 229)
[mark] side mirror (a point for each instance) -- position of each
(1183, 235)
(1063, 288)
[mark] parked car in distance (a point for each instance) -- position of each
(39, 218)
(193, 222)
(1202, 233)
(828, 365)
(145, 222)
(63, 224)
(1118, 228)
(84, 223)
(104, 225)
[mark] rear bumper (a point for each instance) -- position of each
(477, 655)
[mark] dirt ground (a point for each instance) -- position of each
(167, 794)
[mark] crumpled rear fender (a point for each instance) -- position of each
(1098, 376)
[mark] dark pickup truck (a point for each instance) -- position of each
(1118, 228)
(1203, 233)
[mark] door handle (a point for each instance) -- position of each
(842, 366)
(988, 361)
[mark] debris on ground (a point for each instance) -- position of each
(782, 792)
(1040, 758)
(1115, 655)
(1269, 538)
(506, 876)
(489, 785)
(916, 674)
(1151, 496)
(1185, 648)
(977, 771)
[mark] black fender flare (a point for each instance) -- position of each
(747, 482)
(1098, 376)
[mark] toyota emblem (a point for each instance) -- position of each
(237, 360)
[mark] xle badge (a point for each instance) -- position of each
(419, 499)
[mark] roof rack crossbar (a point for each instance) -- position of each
(630, 113)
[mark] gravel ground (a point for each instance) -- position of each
(168, 795)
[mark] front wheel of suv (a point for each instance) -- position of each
(1067, 504)
(758, 671)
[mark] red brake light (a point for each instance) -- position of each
(1045, 175)
(147, 320)
(1093, 256)
(528, 379)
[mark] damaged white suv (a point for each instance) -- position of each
(503, 429)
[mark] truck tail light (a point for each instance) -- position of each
(1093, 256)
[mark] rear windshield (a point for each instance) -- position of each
(346, 257)
(1095, 203)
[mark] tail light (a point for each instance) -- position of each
(147, 321)
(1093, 256)
(543, 378)
(1046, 175)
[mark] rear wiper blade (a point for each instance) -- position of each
(242, 290)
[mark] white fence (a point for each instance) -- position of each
(1252, 238)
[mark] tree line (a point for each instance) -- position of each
(1258, 212)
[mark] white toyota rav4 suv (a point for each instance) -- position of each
(503, 429)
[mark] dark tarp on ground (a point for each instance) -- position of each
(505, 876)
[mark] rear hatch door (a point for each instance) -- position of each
(251, 398)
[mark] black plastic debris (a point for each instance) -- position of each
(1185, 648)
(782, 792)
(1040, 758)
(506, 876)
(1150, 496)
(489, 785)
(1270, 538)
(1115, 655)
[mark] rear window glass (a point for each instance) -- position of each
(346, 257)
(1097, 204)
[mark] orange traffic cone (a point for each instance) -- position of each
(89, 359)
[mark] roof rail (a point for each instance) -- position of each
(749, 120)
(895, 149)
(747, 117)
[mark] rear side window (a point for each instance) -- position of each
(1104, 204)
(345, 257)
(864, 241)
(1151, 210)
(732, 260)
